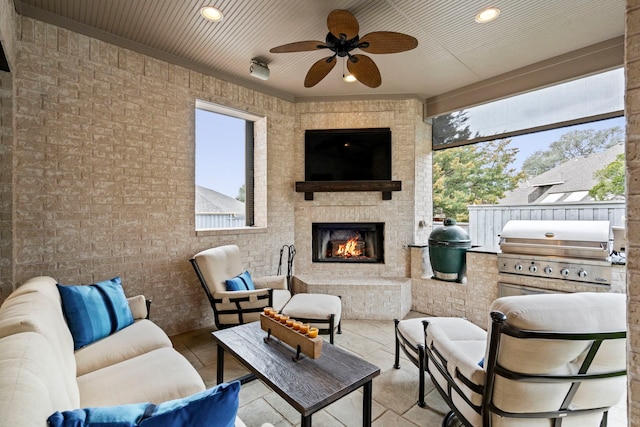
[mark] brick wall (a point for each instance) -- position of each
(6, 185)
(104, 171)
(632, 112)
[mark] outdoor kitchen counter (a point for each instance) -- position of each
(473, 298)
(484, 249)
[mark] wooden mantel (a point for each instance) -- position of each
(310, 187)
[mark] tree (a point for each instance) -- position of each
(610, 180)
(242, 194)
(472, 174)
(450, 128)
(576, 143)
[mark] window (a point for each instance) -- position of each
(226, 165)
(541, 147)
(588, 99)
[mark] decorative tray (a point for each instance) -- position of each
(296, 339)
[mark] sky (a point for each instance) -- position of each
(530, 143)
(220, 152)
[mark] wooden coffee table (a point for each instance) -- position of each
(307, 384)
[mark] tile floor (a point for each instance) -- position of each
(395, 391)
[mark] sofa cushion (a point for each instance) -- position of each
(242, 282)
(138, 338)
(215, 407)
(32, 385)
(95, 311)
(156, 376)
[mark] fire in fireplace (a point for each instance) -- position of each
(348, 242)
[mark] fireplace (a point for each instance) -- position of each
(355, 242)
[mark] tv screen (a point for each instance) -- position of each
(347, 154)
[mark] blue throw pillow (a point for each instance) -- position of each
(108, 416)
(95, 311)
(241, 282)
(215, 407)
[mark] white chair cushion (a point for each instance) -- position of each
(462, 344)
(314, 306)
(413, 331)
(577, 312)
(219, 264)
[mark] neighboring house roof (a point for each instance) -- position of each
(208, 200)
(568, 182)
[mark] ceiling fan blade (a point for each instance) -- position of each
(299, 47)
(387, 42)
(365, 70)
(343, 22)
(319, 70)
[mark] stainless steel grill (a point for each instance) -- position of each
(568, 250)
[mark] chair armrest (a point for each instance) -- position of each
(459, 347)
(273, 282)
(230, 296)
(139, 307)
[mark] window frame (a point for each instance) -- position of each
(255, 165)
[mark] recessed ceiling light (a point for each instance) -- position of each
(211, 13)
(487, 14)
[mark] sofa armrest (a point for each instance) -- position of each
(273, 282)
(139, 307)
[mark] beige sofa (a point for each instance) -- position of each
(40, 373)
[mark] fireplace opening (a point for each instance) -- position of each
(358, 242)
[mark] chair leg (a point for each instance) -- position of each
(421, 369)
(332, 319)
(450, 420)
(397, 361)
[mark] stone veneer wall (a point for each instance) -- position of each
(104, 173)
(8, 40)
(411, 151)
(6, 185)
(632, 113)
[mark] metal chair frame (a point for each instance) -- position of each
(266, 297)
(435, 360)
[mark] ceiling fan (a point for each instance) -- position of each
(341, 40)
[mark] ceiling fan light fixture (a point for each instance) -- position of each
(487, 14)
(211, 13)
(349, 78)
(346, 75)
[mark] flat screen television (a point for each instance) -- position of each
(347, 154)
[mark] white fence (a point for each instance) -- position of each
(486, 221)
(210, 220)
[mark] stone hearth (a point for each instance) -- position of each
(374, 298)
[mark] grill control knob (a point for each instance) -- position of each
(548, 270)
(533, 268)
(582, 273)
(564, 272)
(518, 267)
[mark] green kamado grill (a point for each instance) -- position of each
(448, 246)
